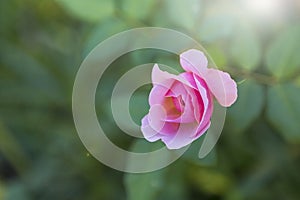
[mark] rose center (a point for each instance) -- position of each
(174, 106)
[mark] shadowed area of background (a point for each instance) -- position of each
(42, 45)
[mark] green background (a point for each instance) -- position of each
(42, 45)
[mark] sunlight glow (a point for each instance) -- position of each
(263, 7)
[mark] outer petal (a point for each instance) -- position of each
(150, 134)
(160, 77)
(194, 61)
(182, 137)
(222, 86)
(158, 93)
(202, 129)
(156, 117)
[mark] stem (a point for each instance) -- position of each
(244, 74)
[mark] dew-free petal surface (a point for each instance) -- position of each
(193, 61)
(222, 86)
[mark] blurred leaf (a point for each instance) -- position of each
(12, 150)
(144, 186)
(27, 69)
(282, 58)
(247, 107)
(216, 27)
(91, 10)
(245, 48)
(8, 16)
(103, 31)
(143, 56)
(218, 56)
(2, 190)
(16, 190)
(297, 81)
(167, 61)
(184, 13)
(283, 110)
(209, 180)
(138, 9)
(192, 154)
(175, 187)
(138, 106)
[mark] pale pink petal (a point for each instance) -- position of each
(186, 93)
(182, 137)
(159, 77)
(202, 129)
(176, 90)
(194, 61)
(222, 86)
(157, 115)
(197, 101)
(189, 77)
(187, 115)
(177, 101)
(188, 112)
(206, 99)
(150, 134)
(159, 91)
(169, 129)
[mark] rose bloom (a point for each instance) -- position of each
(181, 105)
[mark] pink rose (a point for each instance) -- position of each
(181, 105)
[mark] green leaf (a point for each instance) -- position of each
(12, 150)
(144, 186)
(218, 56)
(91, 10)
(247, 107)
(138, 9)
(193, 151)
(102, 32)
(209, 180)
(297, 81)
(138, 106)
(245, 49)
(176, 186)
(31, 80)
(184, 13)
(282, 57)
(2, 190)
(283, 110)
(16, 190)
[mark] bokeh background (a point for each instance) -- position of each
(42, 45)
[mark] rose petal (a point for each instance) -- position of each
(150, 134)
(222, 86)
(187, 114)
(219, 83)
(159, 77)
(157, 115)
(158, 93)
(196, 98)
(206, 99)
(202, 129)
(193, 61)
(182, 136)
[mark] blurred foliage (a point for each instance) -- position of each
(42, 45)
